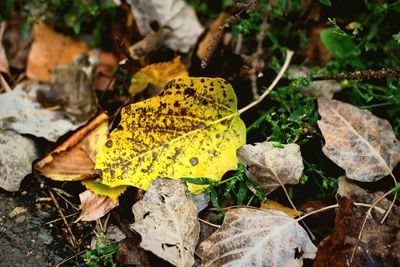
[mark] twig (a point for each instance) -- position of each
(367, 217)
(289, 55)
(211, 224)
(4, 83)
(257, 64)
(56, 220)
(70, 258)
(63, 218)
(361, 75)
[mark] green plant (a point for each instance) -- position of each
(101, 255)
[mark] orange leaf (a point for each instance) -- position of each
(50, 49)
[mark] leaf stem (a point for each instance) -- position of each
(289, 55)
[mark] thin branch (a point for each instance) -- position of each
(361, 75)
(289, 55)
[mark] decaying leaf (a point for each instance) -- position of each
(94, 206)
(250, 237)
(51, 49)
(191, 129)
(316, 88)
(175, 16)
(356, 140)
(347, 188)
(167, 221)
(16, 155)
(75, 158)
(269, 164)
(71, 86)
(378, 245)
(157, 75)
(4, 66)
(103, 190)
(20, 111)
(272, 205)
(129, 253)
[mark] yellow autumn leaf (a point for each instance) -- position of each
(191, 129)
(158, 75)
(104, 190)
(272, 205)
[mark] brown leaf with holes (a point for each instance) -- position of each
(378, 246)
(359, 142)
(75, 158)
(167, 221)
(94, 206)
(270, 166)
(250, 237)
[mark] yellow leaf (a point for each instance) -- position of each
(191, 129)
(158, 75)
(104, 190)
(272, 205)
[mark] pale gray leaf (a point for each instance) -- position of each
(250, 237)
(167, 221)
(16, 155)
(359, 142)
(268, 164)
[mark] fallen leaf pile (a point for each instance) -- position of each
(126, 151)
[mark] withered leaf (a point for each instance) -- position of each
(16, 155)
(75, 158)
(167, 221)
(20, 111)
(269, 164)
(347, 188)
(94, 206)
(51, 49)
(378, 246)
(356, 140)
(250, 237)
(71, 86)
(175, 16)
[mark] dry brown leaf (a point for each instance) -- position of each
(250, 237)
(272, 205)
(269, 165)
(51, 49)
(175, 16)
(71, 87)
(129, 253)
(4, 66)
(379, 244)
(167, 221)
(347, 188)
(356, 140)
(16, 155)
(75, 158)
(94, 206)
